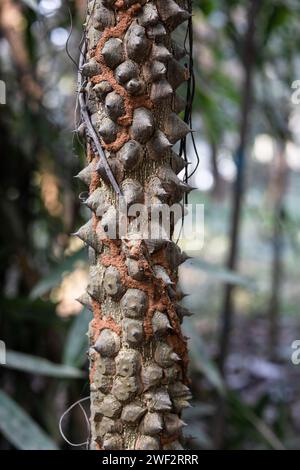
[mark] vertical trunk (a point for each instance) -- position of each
(237, 200)
(138, 355)
(237, 196)
(276, 201)
(11, 19)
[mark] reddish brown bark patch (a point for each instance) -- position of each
(130, 102)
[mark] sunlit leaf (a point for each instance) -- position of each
(19, 429)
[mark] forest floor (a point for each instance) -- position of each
(263, 402)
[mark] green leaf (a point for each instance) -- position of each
(226, 87)
(77, 343)
(200, 359)
(55, 276)
(199, 435)
(19, 429)
(40, 366)
(243, 411)
(279, 15)
(223, 274)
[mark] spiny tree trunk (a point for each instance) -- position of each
(138, 355)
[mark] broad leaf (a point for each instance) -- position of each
(19, 429)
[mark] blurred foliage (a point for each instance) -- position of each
(40, 322)
(19, 428)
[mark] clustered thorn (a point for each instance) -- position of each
(138, 355)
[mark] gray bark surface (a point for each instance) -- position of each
(138, 355)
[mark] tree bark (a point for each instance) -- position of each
(138, 355)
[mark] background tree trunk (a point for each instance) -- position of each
(227, 313)
(277, 190)
(138, 355)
